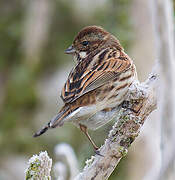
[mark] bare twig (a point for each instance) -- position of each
(141, 101)
(67, 165)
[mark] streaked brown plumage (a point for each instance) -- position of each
(97, 84)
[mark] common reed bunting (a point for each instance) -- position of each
(97, 85)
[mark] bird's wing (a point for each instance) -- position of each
(83, 79)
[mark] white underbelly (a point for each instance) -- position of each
(93, 117)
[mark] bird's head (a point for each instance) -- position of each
(92, 38)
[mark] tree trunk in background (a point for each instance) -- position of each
(36, 28)
(163, 25)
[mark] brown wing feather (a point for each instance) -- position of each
(82, 81)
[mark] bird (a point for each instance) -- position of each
(97, 84)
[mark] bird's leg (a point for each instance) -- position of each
(85, 131)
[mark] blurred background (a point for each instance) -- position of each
(33, 68)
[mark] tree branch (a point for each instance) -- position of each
(141, 101)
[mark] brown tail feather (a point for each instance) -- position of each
(42, 131)
(58, 119)
(55, 121)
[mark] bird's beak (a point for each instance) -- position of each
(70, 50)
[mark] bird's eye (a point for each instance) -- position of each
(85, 43)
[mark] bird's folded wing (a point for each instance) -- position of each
(91, 79)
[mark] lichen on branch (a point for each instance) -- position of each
(39, 167)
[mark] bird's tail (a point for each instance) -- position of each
(55, 121)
